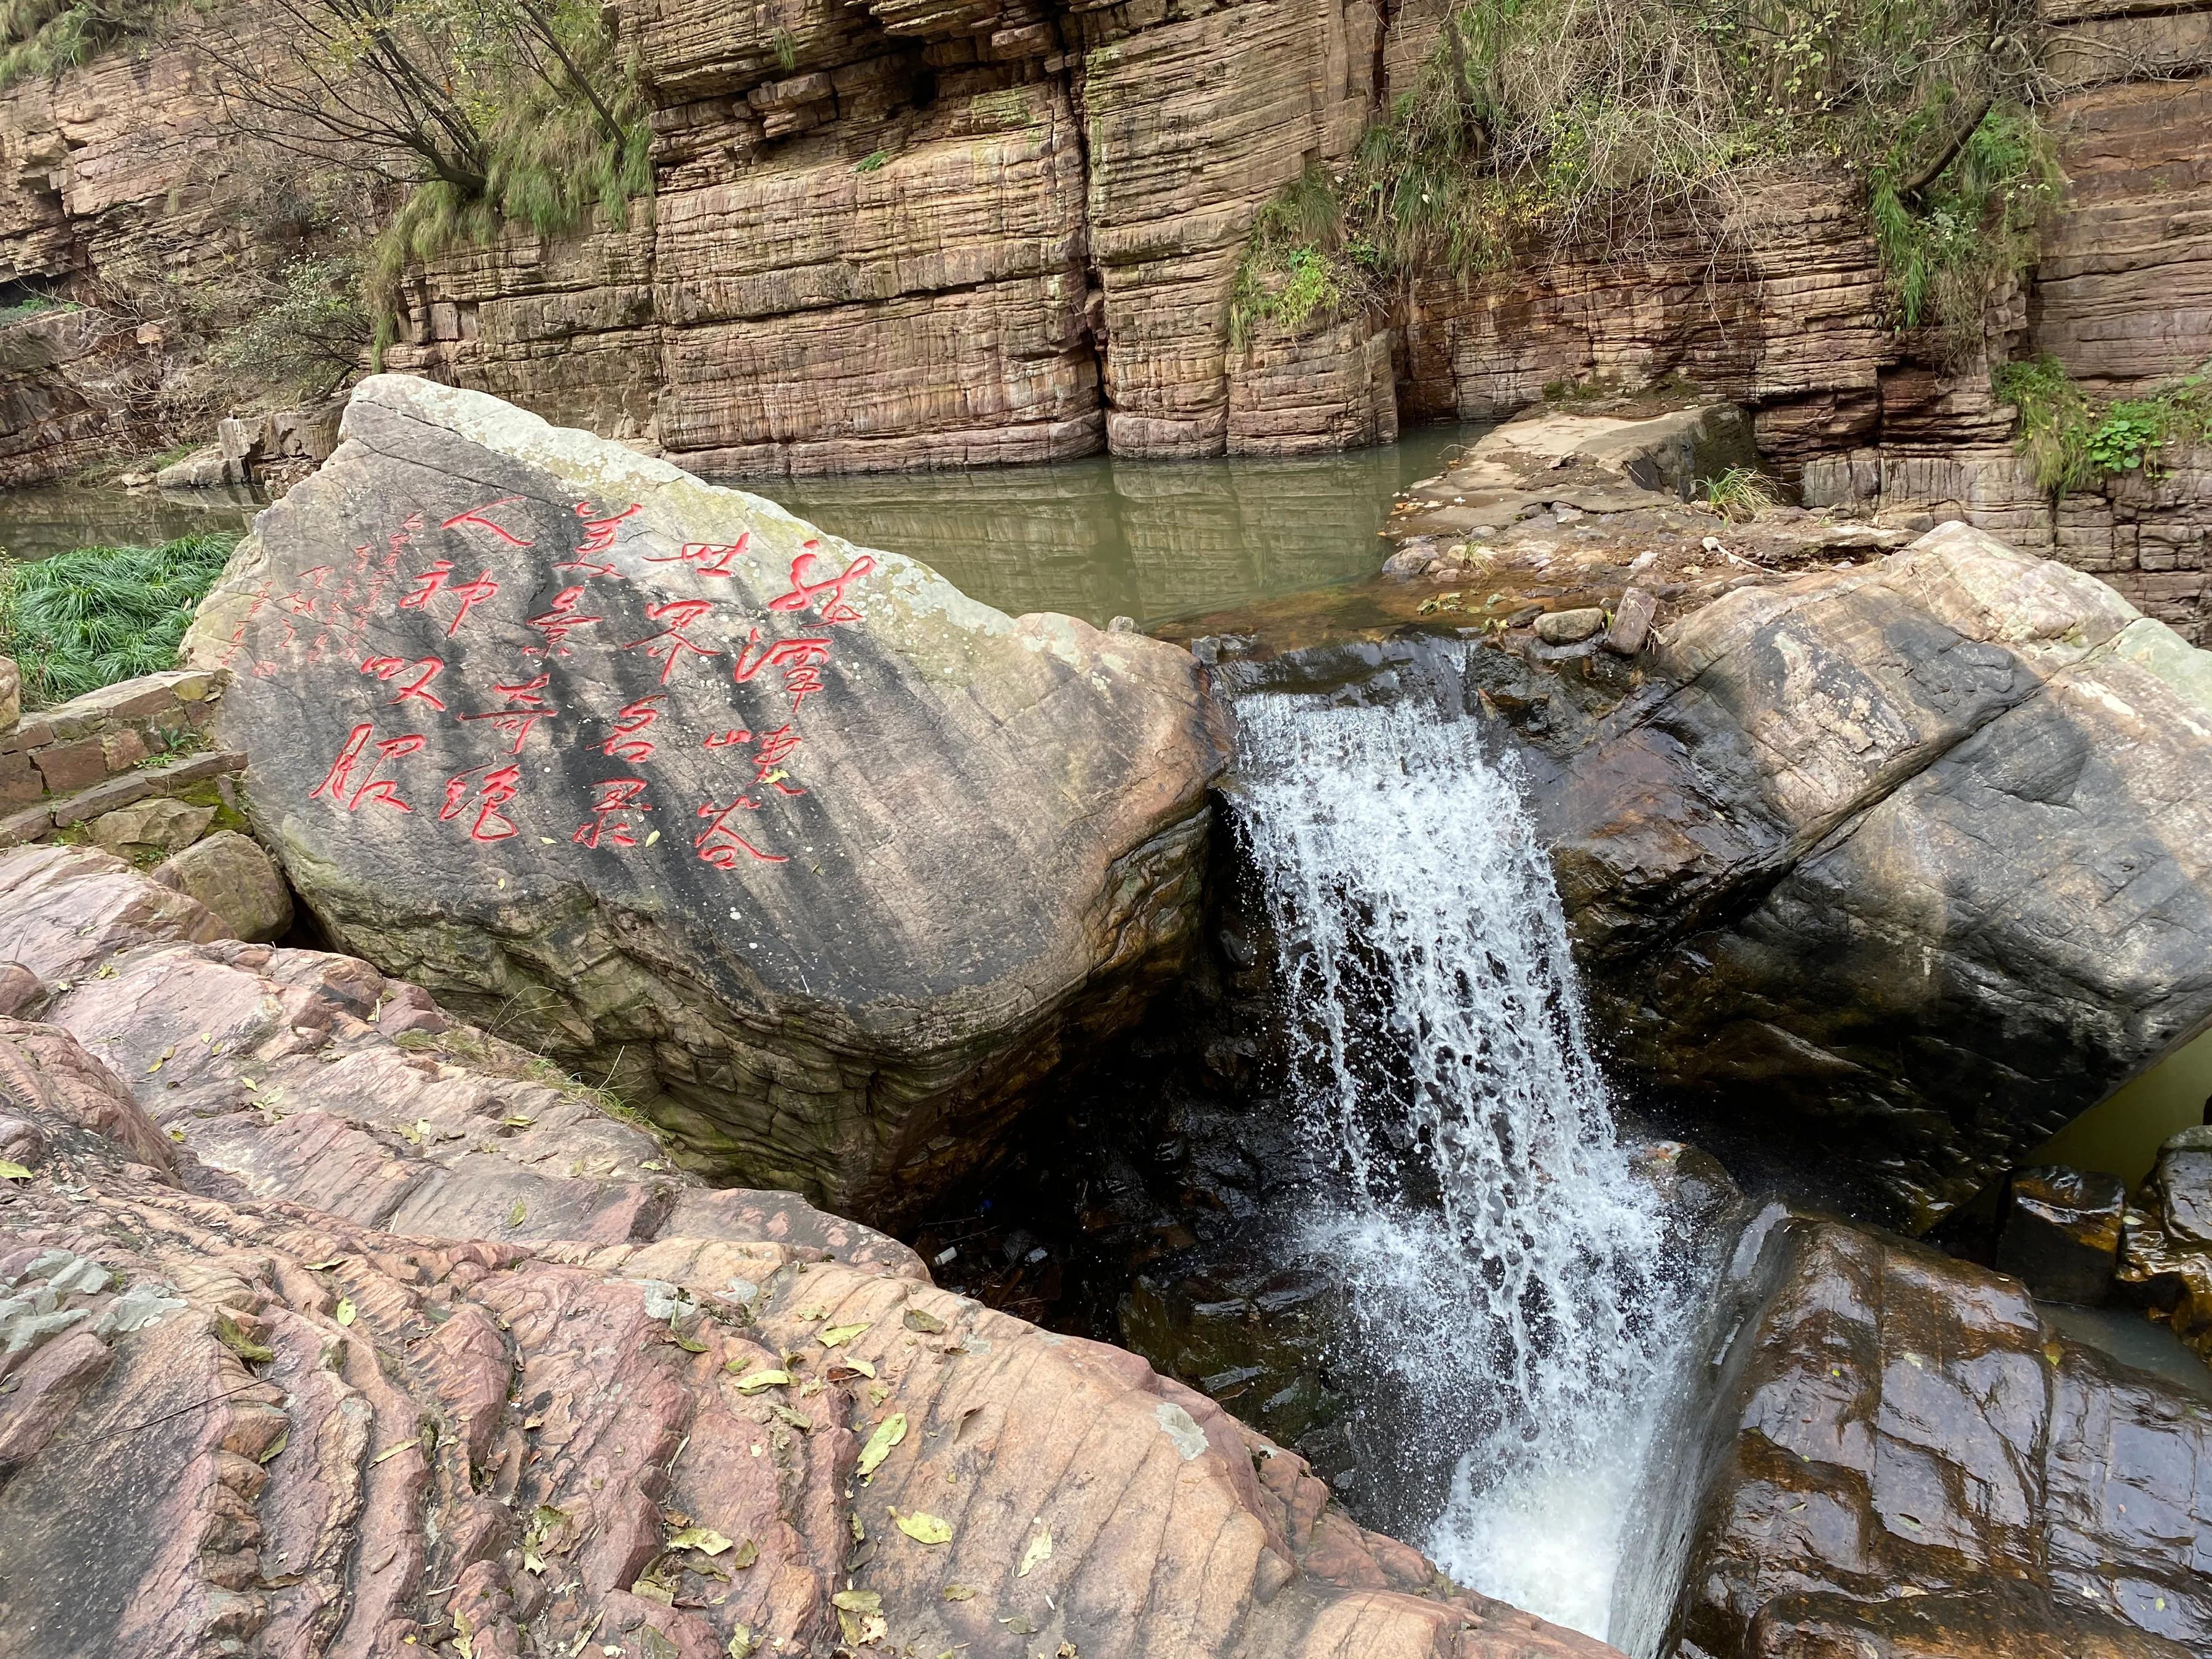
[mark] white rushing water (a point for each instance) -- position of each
(1518, 1306)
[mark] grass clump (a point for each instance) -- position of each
(1534, 124)
(2071, 442)
(1740, 494)
(82, 620)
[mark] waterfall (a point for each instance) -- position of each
(1517, 1296)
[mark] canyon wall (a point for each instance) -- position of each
(906, 234)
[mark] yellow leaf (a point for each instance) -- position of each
(958, 1593)
(888, 1434)
(845, 1369)
(1040, 1550)
(518, 1213)
(838, 1335)
(741, 1642)
(857, 1601)
(923, 1528)
(518, 1122)
(346, 1310)
(705, 1540)
(920, 1319)
(394, 1451)
(759, 1380)
(10, 1171)
(748, 1552)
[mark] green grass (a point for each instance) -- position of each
(2071, 442)
(1739, 494)
(82, 620)
(46, 37)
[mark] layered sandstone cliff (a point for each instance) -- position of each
(900, 234)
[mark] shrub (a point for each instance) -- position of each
(1534, 123)
(2070, 442)
(79, 621)
(44, 37)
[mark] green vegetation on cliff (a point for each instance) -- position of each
(1539, 125)
(79, 621)
(2071, 441)
(44, 37)
(446, 120)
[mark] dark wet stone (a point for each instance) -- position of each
(2062, 1232)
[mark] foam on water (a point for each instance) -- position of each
(1520, 1306)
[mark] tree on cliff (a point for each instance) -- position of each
(472, 113)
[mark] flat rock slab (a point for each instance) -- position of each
(660, 778)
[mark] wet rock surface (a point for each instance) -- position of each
(1907, 1460)
(2166, 1247)
(2061, 1232)
(789, 838)
(245, 1407)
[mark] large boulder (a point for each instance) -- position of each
(786, 837)
(1909, 863)
(1906, 1460)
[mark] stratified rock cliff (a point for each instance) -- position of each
(899, 235)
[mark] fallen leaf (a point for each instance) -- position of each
(158, 1064)
(652, 1592)
(518, 1122)
(920, 1319)
(1040, 1550)
(1019, 1626)
(686, 1341)
(857, 1601)
(797, 1420)
(741, 1642)
(888, 1434)
(227, 1333)
(10, 1172)
(394, 1451)
(413, 1133)
(346, 1310)
(748, 1552)
(844, 1370)
(759, 1380)
(325, 1266)
(838, 1335)
(518, 1214)
(532, 1561)
(283, 1438)
(959, 1593)
(705, 1540)
(923, 1528)
(656, 1645)
(813, 1313)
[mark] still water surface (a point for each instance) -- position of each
(1095, 538)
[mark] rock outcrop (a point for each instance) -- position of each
(833, 860)
(558, 1394)
(1907, 855)
(1906, 1460)
(2166, 1248)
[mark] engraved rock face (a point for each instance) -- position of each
(821, 860)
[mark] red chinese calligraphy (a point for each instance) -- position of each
(526, 706)
(834, 608)
(427, 669)
(599, 538)
(801, 660)
(671, 642)
(557, 624)
(711, 560)
(493, 791)
(629, 742)
(479, 518)
(775, 748)
(436, 581)
(614, 802)
(729, 740)
(719, 845)
(340, 785)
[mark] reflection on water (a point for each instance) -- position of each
(2128, 1337)
(37, 524)
(2122, 1133)
(1101, 537)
